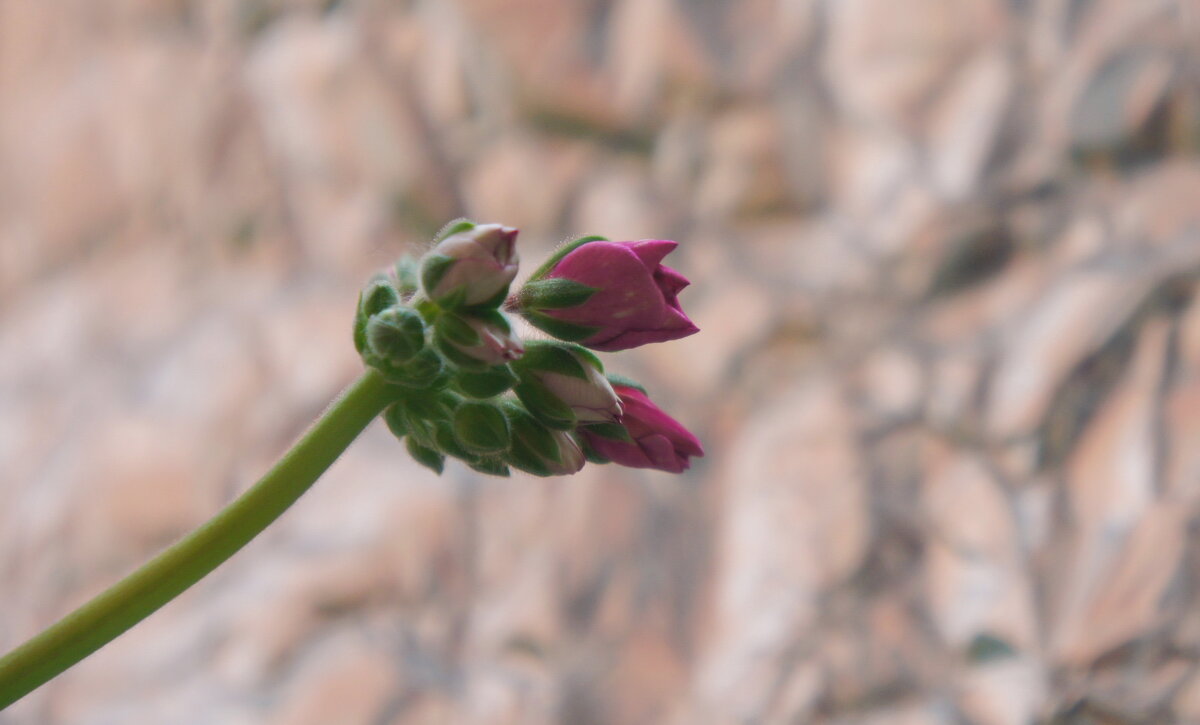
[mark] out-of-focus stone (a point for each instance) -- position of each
(732, 320)
(745, 177)
(798, 522)
(617, 203)
(884, 59)
(891, 383)
(525, 184)
(1071, 321)
(1119, 98)
(974, 569)
(965, 124)
(1006, 692)
(339, 680)
(651, 46)
(1124, 544)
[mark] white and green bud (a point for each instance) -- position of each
(540, 450)
(479, 340)
(472, 265)
(558, 377)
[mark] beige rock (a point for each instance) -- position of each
(891, 383)
(796, 522)
(965, 123)
(884, 59)
(340, 680)
(1007, 692)
(1071, 321)
(975, 577)
(1124, 542)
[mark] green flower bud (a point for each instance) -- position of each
(482, 428)
(490, 465)
(485, 383)
(426, 456)
(396, 334)
(539, 450)
(377, 296)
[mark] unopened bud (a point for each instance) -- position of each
(472, 266)
(396, 334)
(557, 376)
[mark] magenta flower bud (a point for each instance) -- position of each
(472, 266)
(609, 295)
(655, 439)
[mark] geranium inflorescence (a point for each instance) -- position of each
(473, 389)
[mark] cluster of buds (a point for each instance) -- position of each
(439, 328)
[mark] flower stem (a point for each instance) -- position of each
(164, 577)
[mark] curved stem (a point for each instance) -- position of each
(164, 577)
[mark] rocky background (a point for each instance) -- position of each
(945, 257)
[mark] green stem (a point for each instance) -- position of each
(164, 577)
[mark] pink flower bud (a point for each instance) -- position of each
(471, 267)
(658, 440)
(634, 299)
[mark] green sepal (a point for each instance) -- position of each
(421, 430)
(554, 293)
(522, 457)
(569, 331)
(430, 406)
(492, 302)
(453, 328)
(448, 442)
(590, 453)
(545, 406)
(491, 466)
(396, 334)
(615, 379)
(394, 417)
(553, 357)
(495, 318)
(611, 431)
(461, 224)
(482, 428)
(427, 457)
(433, 268)
(460, 359)
(562, 251)
(588, 356)
(425, 371)
(428, 309)
(529, 432)
(376, 297)
(408, 275)
(485, 383)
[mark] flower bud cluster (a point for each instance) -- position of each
(471, 388)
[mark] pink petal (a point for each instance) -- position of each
(652, 251)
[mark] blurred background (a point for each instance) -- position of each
(944, 256)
